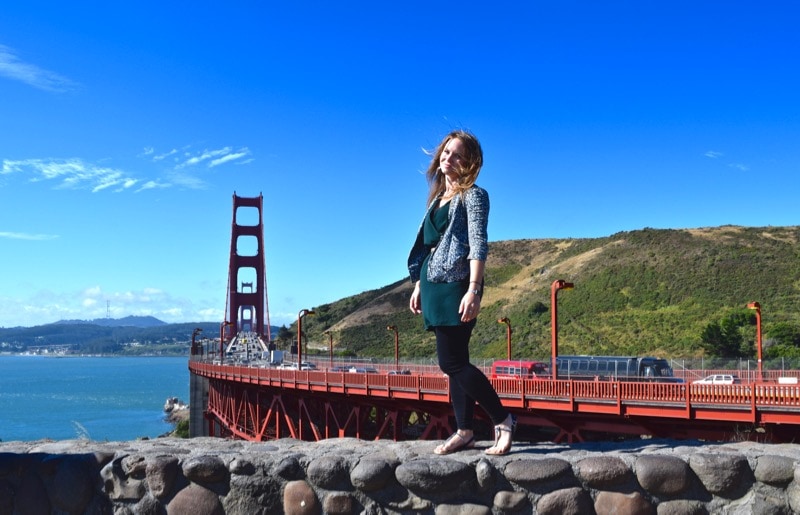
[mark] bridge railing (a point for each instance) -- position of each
(758, 394)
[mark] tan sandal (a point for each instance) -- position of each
(498, 432)
(455, 443)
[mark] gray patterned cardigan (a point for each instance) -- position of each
(464, 239)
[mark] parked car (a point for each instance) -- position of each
(293, 366)
(363, 370)
(719, 379)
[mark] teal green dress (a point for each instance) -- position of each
(439, 300)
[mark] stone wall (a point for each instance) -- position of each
(205, 476)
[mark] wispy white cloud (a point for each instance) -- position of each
(13, 68)
(185, 163)
(186, 180)
(203, 156)
(164, 155)
(72, 173)
(228, 158)
(26, 236)
(214, 157)
(93, 291)
(716, 155)
(77, 173)
(151, 185)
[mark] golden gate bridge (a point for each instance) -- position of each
(257, 402)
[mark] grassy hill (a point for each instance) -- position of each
(640, 292)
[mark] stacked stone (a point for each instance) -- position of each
(207, 476)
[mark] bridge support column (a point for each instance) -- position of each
(198, 400)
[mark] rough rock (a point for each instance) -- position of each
(727, 475)
(371, 474)
(205, 469)
(485, 474)
(506, 501)
(775, 470)
(663, 475)
(604, 471)
(208, 476)
(71, 487)
(160, 473)
(196, 500)
(338, 503)
(426, 476)
(299, 499)
(463, 509)
(608, 503)
(569, 501)
(330, 473)
(682, 507)
(541, 475)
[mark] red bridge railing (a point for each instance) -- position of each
(663, 408)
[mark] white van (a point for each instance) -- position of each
(719, 379)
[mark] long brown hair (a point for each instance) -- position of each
(473, 158)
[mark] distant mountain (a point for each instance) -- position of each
(108, 336)
(129, 321)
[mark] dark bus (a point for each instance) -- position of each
(615, 368)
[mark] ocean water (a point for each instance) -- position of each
(94, 398)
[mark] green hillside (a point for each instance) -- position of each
(648, 291)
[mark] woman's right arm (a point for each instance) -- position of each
(414, 304)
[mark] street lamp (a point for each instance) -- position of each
(330, 348)
(195, 350)
(300, 315)
(222, 327)
(757, 307)
(506, 321)
(558, 284)
(396, 346)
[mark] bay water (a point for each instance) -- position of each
(96, 398)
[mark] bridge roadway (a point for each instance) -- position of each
(254, 403)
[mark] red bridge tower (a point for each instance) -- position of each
(247, 308)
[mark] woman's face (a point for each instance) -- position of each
(452, 159)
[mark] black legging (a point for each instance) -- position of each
(467, 383)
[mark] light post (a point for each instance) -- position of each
(756, 306)
(396, 346)
(330, 348)
(222, 327)
(558, 284)
(300, 315)
(506, 321)
(195, 350)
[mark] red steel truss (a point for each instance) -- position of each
(260, 404)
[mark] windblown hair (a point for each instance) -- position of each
(473, 158)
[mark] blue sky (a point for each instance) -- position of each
(126, 128)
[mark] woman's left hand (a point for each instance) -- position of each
(470, 306)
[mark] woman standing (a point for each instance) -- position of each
(446, 265)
